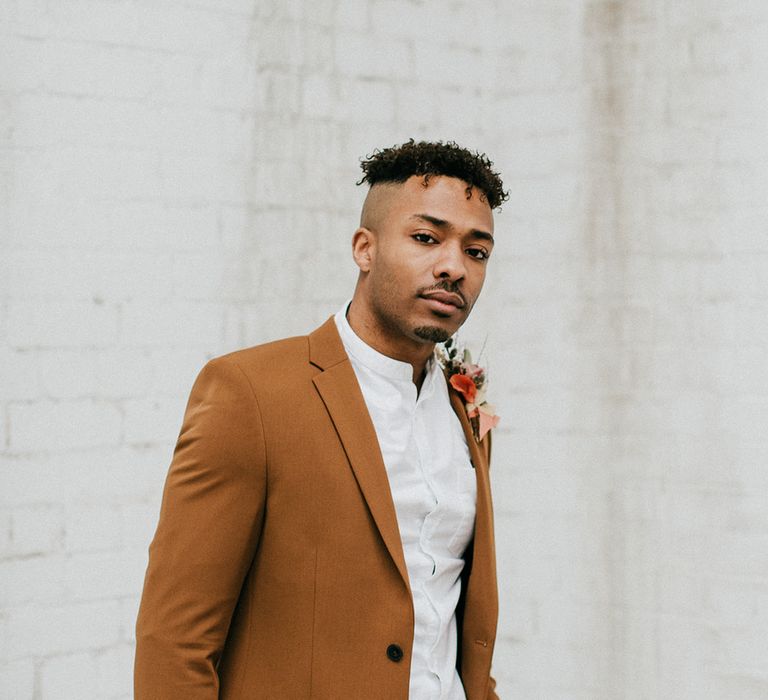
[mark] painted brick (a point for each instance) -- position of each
(92, 21)
(129, 609)
(175, 369)
(275, 12)
(17, 680)
(53, 629)
(45, 120)
(411, 108)
(61, 425)
(28, 479)
(120, 373)
(201, 276)
(29, 20)
(279, 46)
(68, 677)
(89, 527)
(427, 24)
(89, 575)
(19, 374)
(456, 104)
(459, 67)
(319, 13)
(52, 275)
(138, 522)
(96, 475)
(227, 82)
(178, 174)
(37, 222)
(88, 69)
(352, 14)
(188, 29)
(32, 580)
(318, 96)
(191, 323)
(371, 101)
(114, 672)
(36, 530)
(58, 323)
(67, 373)
(5, 532)
(537, 112)
(317, 48)
(24, 63)
(151, 420)
(162, 226)
(186, 128)
(371, 57)
(185, 175)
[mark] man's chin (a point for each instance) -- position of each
(432, 334)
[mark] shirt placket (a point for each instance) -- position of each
(429, 531)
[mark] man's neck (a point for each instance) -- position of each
(404, 350)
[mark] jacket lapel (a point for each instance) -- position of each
(341, 394)
(481, 594)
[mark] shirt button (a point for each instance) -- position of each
(394, 653)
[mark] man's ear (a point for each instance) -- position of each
(363, 248)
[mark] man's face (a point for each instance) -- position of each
(427, 262)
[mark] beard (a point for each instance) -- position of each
(432, 334)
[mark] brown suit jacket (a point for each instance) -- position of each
(277, 569)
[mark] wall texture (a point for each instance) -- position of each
(177, 180)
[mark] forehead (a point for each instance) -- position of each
(444, 198)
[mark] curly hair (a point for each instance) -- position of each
(398, 163)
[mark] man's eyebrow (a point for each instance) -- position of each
(442, 223)
(484, 235)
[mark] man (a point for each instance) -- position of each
(326, 525)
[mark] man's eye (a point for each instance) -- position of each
(478, 253)
(423, 237)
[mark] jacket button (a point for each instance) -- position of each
(394, 653)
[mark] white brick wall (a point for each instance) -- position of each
(176, 181)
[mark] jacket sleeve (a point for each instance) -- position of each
(209, 527)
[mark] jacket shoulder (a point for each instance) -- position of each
(269, 357)
(273, 370)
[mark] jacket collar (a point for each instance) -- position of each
(325, 347)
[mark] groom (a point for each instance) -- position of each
(326, 527)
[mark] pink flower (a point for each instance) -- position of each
(474, 371)
(488, 420)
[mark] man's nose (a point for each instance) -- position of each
(450, 262)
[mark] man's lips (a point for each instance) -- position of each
(447, 298)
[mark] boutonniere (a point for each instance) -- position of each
(469, 380)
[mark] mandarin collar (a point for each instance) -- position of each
(377, 362)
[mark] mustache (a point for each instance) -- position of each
(445, 286)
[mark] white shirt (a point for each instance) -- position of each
(434, 491)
